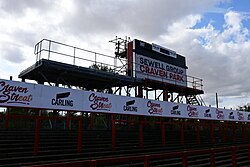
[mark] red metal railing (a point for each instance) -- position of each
(212, 125)
(223, 128)
(38, 120)
(57, 51)
(147, 158)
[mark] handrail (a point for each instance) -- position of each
(146, 158)
(59, 43)
(38, 127)
(40, 117)
(46, 49)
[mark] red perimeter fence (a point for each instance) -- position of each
(38, 120)
(144, 158)
(223, 127)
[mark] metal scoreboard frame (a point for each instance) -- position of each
(156, 63)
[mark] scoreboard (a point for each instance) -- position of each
(154, 62)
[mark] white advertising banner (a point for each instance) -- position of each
(206, 113)
(155, 108)
(21, 94)
(153, 69)
(60, 98)
(177, 110)
(99, 102)
(247, 116)
(240, 116)
(131, 106)
(17, 94)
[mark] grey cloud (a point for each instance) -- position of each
(225, 73)
(223, 65)
(221, 73)
(25, 37)
(17, 7)
(13, 54)
(210, 99)
(139, 18)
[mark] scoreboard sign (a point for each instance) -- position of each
(156, 63)
(160, 71)
(163, 50)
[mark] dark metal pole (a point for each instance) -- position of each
(216, 100)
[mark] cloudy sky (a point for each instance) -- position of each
(213, 35)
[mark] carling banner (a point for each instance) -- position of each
(27, 95)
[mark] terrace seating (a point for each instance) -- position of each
(17, 147)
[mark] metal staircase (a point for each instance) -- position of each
(195, 100)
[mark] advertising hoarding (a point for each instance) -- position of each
(26, 95)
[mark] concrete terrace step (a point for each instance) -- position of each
(168, 162)
(16, 147)
(87, 153)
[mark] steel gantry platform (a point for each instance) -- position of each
(61, 64)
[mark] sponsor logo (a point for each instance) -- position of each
(142, 44)
(154, 108)
(248, 117)
(61, 100)
(220, 114)
(240, 116)
(156, 48)
(231, 115)
(129, 106)
(192, 111)
(163, 50)
(99, 102)
(175, 110)
(14, 94)
(207, 113)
